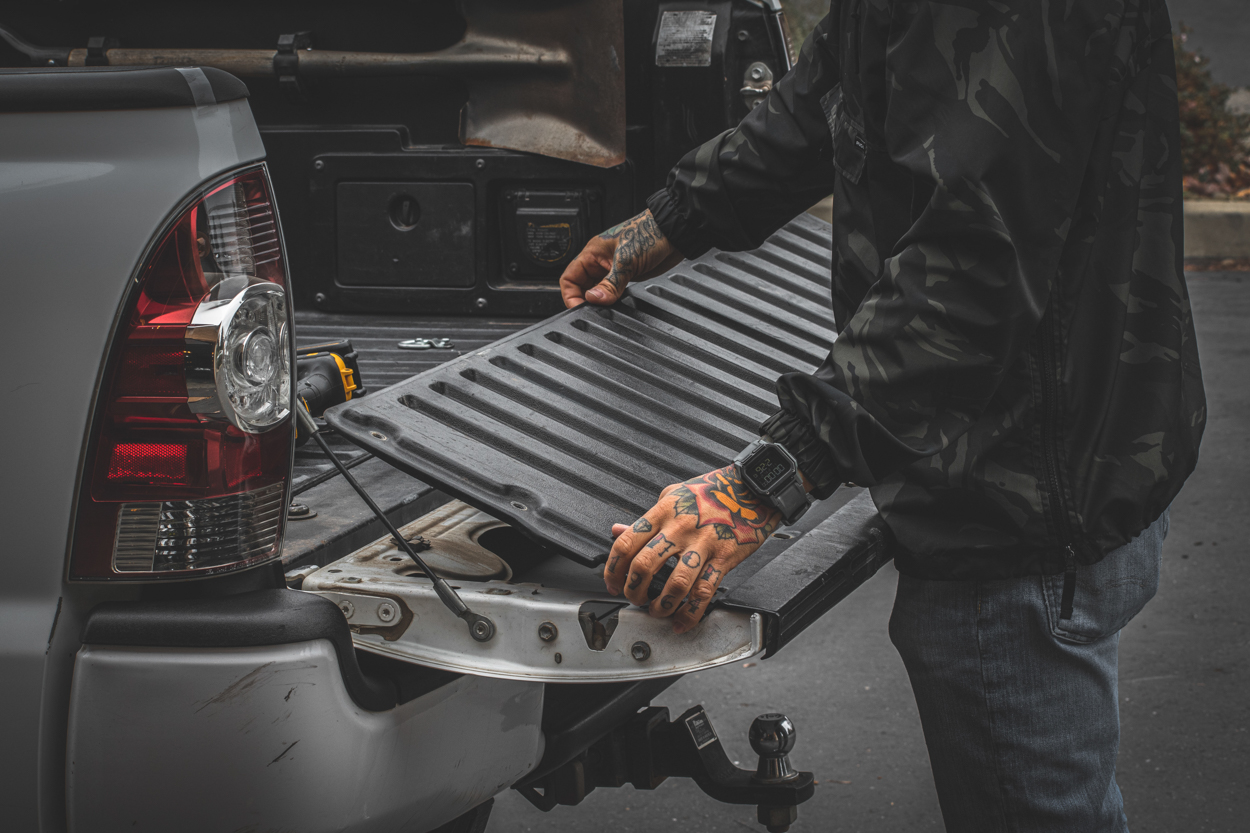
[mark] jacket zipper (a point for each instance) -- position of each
(1050, 461)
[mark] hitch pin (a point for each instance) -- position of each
(480, 628)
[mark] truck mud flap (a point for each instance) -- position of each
(578, 422)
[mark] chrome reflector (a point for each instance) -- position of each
(197, 534)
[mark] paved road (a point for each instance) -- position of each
(1221, 30)
(1184, 676)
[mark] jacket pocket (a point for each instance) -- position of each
(1111, 592)
(850, 149)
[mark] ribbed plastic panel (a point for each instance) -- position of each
(578, 422)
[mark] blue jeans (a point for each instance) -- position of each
(1020, 709)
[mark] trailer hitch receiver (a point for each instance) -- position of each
(651, 748)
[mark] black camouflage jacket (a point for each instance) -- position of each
(1015, 375)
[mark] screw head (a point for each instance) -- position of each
(640, 651)
(481, 303)
(319, 165)
(547, 632)
(479, 164)
(482, 629)
(348, 609)
(319, 298)
(386, 612)
(743, 34)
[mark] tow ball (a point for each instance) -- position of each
(651, 747)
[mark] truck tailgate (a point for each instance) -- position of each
(579, 421)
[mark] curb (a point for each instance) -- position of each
(1217, 229)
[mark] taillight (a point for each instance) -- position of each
(187, 466)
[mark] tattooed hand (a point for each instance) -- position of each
(712, 522)
(632, 251)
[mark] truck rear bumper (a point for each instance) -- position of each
(269, 737)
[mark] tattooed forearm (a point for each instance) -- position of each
(721, 500)
(640, 246)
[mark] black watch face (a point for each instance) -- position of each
(767, 468)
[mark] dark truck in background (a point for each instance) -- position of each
(437, 164)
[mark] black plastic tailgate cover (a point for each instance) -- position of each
(578, 422)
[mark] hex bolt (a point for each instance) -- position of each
(757, 73)
(640, 651)
(348, 608)
(386, 611)
(319, 165)
(548, 632)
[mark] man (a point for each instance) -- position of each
(1015, 376)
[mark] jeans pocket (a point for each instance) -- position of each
(1111, 592)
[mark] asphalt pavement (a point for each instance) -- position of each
(1184, 670)
(1221, 29)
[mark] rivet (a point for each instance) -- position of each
(479, 164)
(320, 298)
(319, 164)
(481, 303)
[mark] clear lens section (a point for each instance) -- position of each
(175, 535)
(254, 365)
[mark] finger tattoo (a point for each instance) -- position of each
(691, 559)
(667, 602)
(711, 574)
(635, 580)
(661, 544)
(642, 525)
(616, 559)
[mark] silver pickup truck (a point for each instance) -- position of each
(158, 670)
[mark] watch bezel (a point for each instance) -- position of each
(782, 481)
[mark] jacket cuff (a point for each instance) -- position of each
(678, 224)
(798, 438)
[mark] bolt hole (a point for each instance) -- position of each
(395, 558)
(516, 504)
(334, 571)
(782, 535)
(377, 435)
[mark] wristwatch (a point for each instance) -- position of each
(772, 473)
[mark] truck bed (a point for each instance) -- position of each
(343, 523)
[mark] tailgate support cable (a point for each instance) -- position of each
(481, 628)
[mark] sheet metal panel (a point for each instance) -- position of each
(579, 421)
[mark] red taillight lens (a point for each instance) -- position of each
(191, 446)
